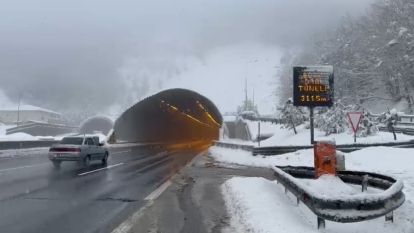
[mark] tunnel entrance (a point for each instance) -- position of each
(171, 116)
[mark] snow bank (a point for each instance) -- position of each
(241, 157)
(257, 205)
(260, 205)
(18, 137)
(285, 137)
(266, 128)
(3, 128)
(16, 153)
(323, 186)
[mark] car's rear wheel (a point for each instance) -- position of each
(105, 159)
(87, 161)
(56, 164)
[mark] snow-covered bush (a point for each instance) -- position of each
(292, 116)
(367, 127)
(333, 120)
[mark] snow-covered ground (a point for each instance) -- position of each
(260, 205)
(28, 137)
(15, 153)
(3, 128)
(266, 128)
(286, 137)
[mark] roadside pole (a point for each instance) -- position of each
(258, 134)
(312, 130)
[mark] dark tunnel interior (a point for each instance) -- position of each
(170, 116)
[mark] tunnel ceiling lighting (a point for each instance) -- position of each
(185, 114)
(208, 114)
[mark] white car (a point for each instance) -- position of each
(82, 149)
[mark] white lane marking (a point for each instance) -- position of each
(156, 193)
(29, 166)
(127, 225)
(100, 169)
(120, 152)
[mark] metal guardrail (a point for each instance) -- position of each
(234, 146)
(405, 123)
(8, 145)
(398, 129)
(354, 208)
(277, 150)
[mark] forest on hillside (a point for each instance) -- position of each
(372, 55)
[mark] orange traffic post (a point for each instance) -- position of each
(324, 158)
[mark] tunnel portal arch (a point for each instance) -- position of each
(170, 116)
(96, 124)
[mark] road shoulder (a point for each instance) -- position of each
(193, 202)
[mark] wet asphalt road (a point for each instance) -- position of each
(35, 197)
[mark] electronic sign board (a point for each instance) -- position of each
(313, 86)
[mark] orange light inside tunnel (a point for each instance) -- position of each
(208, 114)
(184, 114)
(206, 129)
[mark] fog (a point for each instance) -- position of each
(100, 56)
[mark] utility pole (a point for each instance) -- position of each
(18, 109)
(245, 93)
(253, 97)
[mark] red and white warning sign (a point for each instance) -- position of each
(355, 119)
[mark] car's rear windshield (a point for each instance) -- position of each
(72, 141)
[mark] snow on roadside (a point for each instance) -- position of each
(266, 128)
(241, 157)
(18, 153)
(18, 137)
(259, 205)
(238, 141)
(242, 195)
(3, 128)
(285, 137)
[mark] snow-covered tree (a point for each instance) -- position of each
(368, 126)
(333, 120)
(247, 106)
(292, 116)
(390, 119)
(373, 56)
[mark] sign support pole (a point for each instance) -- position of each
(258, 134)
(354, 137)
(311, 125)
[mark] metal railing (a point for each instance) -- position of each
(354, 208)
(234, 146)
(8, 145)
(277, 150)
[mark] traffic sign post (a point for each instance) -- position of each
(313, 87)
(355, 119)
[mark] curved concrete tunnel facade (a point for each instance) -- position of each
(171, 116)
(96, 124)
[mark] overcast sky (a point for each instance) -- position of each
(100, 55)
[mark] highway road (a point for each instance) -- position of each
(35, 197)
